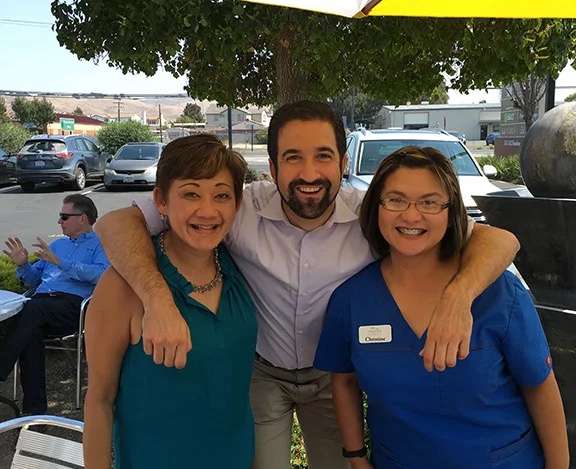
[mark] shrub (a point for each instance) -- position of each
(12, 137)
(262, 136)
(8, 279)
(255, 175)
(508, 167)
(115, 134)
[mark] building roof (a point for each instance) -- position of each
(444, 107)
(83, 120)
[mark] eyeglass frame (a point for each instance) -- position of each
(65, 216)
(442, 206)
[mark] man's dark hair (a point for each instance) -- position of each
(304, 111)
(83, 204)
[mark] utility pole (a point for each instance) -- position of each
(160, 122)
(119, 107)
(230, 127)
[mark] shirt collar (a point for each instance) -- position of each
(84, 237)
(273, 211)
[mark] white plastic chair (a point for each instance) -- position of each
(36, 450)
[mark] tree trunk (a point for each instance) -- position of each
(292, 83)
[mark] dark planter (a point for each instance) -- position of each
(546, 229)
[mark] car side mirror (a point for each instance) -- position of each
(489, 170)
(108, 159)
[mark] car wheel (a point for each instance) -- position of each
(28, 186)
(80, 179)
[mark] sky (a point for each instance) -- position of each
(25, 32)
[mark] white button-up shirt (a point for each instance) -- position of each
(291, 273)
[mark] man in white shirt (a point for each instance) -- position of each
(295, 241)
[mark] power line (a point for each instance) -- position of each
(34, 24)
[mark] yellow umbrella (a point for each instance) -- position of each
(442, 9)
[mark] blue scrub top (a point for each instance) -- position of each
(472, 416)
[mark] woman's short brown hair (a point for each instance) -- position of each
(200, 156)
(416, 157)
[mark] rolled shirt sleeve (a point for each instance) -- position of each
(153, 221)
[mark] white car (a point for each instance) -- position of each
(367, 148)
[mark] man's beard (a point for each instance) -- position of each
(309, 209)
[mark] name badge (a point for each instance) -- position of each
(375, 334)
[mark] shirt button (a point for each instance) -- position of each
(306, 265)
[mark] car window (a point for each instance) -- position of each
(90, 145)
(37, 146)
(3, 153)
(372, 152)
(79, 144)
(145, 152)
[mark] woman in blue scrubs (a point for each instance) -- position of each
(500, 407)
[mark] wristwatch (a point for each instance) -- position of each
(359, 453)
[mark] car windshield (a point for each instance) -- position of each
(372, 152)
(37, 146)
(144, 152)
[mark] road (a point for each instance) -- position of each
(30, 215)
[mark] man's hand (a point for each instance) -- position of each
(166, 336)
(44, 252)
(449, 332)
(16, 251)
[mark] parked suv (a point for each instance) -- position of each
(68, 159)
(366, 149)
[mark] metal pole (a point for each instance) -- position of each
(160, 122)
(251, 137)
(230, 127)
(550, 93)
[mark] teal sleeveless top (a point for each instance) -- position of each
(198, 417)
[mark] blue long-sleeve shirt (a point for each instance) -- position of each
(82, 262)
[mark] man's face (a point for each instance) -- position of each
(75, 224)
(309, 172)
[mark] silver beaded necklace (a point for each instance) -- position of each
(199, 288)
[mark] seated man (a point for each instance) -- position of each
(66, 274)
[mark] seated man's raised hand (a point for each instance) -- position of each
(16, 251)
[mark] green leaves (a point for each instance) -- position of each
(115, 134)
(229, 49)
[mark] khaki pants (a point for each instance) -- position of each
(274, 394)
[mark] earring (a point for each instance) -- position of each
(162, 217)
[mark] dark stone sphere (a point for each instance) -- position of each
(548, 154)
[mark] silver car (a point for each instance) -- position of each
(133, 165)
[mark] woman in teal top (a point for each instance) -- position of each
(198, 416)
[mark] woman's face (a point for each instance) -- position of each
(200, 211)
(411, 233)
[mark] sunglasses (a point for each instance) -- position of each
(65, 216)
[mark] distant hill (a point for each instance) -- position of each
(171, 107)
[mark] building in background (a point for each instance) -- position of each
(67, 124)
(475, 121)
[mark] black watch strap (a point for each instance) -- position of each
(359, 453)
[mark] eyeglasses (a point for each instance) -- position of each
(65, 216)
(398, 204)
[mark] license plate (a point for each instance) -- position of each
(39, 163)
(128, 178)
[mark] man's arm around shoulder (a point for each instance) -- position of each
(487, 254)
(130, 250)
